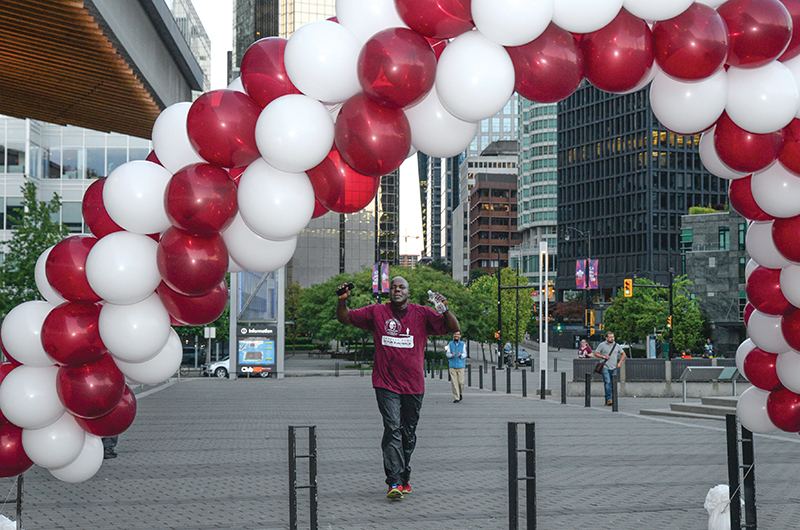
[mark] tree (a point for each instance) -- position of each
(293, 296)
(35, 232)
(633, 318)
(486, 288)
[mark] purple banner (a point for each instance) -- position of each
(376, 267)
(580, 274)
(384, 277)
(594, 271)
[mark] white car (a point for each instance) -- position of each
(219, 368)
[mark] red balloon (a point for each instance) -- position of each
(741, 197)
(396, 67)
(760, 31)
(91, 390)
(784, 235)
(94, 211)
(152, 157)
(222, 128)
(191, 265)
(789, 155)
(372, 139)
(748, 310)
(759, 368)
(200, 199)
(793, 50)
(764, 291)
(13, 460)
(790, 327)
(438, 46)
(549, 68)
(442, 19)
(71, 334)
(620, 55)
(264, 72)
(744, 151)
(319, 209)
(339, 188)
(115, 422)
(236, 174)
(692, 45)
(65, 269)
(5, 369)
(783, 409)
(194, 310)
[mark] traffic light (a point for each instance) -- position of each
(551, 291)
(558, 327)
(628, 287)
(669, 321)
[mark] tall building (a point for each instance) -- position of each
(192, 29)
(333, 243)
(625, 181)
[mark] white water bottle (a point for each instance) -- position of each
(436, 300)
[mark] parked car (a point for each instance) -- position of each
(524, 358)
(219, 368)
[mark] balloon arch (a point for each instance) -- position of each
(316, 119)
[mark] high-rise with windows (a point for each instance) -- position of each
(192, 29)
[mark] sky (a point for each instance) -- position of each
(217, 18)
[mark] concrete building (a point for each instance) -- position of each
(714, 257)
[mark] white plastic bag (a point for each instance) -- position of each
(7, 524)
(718, 507)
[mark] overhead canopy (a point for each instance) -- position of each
(64, 62)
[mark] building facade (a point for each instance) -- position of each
(192, 29)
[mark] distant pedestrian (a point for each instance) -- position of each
(456, 352)
(614, 355)
(585, 351)
(401, 331)
(687, 354)
(708, 349)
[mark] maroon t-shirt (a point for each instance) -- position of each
(400, 339)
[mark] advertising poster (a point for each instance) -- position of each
(580, 274)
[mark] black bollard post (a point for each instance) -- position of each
(508, 380)
(563, 388)
(480, 379)
(555, 364)
(524, 384)
(544, 378)
(336, 370)
(469, 375)
(614, 394)
(494, 379)
(588, 391)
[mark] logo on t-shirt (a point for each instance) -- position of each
(394, 337)
(392, 326)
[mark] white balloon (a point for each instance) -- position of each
(45, 289)
(762, 100)
(365, 18)
(22, 330)
(135, 332)
(688, 107)
(793, 65)
(233, 266)
(788, 368)
(511, 22)
(711, 3)
(436, 132)
(56, 445)
(741, 353)
(761, 247)
(711, 161)
(752, 411)
(474, 77)
(765, 332)
(656, 10)
(776, 190)
(585, 16)
(122, 269)
(159, 368)
(171, 139)
(133, 195)
(254, 252)
(790, 284)
(749, 268)
(86, 465)
(237, 86)
(275, 204)
(28, 397)
(294, 133)
(321, 60)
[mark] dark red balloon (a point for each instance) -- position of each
(65, 269)
(13, 460)
(152, 157)
(744, 151)
(549, 68)
(264, 72)
(438, 46)
(200, 199)
(748, 310)
(790, 327)
(115, 422)
(71, 334)
(236, 174)
(692, 45)
(191, 265)
(396, 67)
(793, 50)
(94, 211)
(372, 139)
(442, 19)
(741, 196)
(91, 390)
(783, 409)
(759, 30)
(619, 56)
(319, 209)
(759, 368)
(5, 369)
(339, 188)
(784, 235)
(222, 128)
(764, 291)
(194, 310)
(789, 154)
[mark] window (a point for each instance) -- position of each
(724, 238)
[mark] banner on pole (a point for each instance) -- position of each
(376, 271)
(384, 277)
(580, 274)
(594, 271)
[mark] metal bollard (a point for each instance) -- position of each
(494, 379)
(588, 391)
(508, 380)
(312, 475)
(513, 475)
(614, 394)
(336, 369)
(542, 388)
(485, 370)
(480, 379)
(441, 368)
(563, 388)
(555, 364)
(524, 383)
(469, 375)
